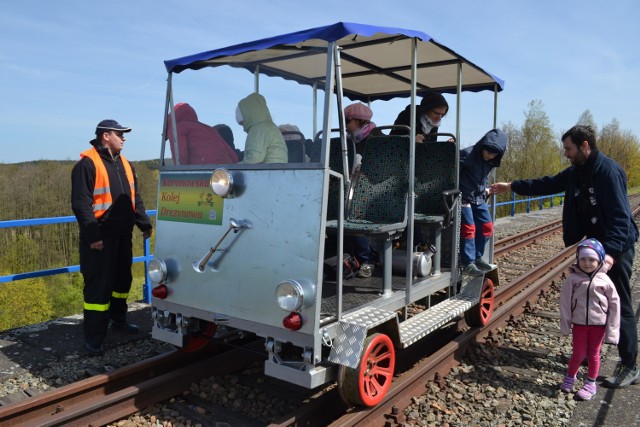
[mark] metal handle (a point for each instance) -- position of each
(234, 225)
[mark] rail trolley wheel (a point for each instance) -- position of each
(367, 384)
(480, 314)
(200, 341)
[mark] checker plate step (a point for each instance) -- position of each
(433, 318)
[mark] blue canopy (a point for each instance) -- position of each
(375, 61)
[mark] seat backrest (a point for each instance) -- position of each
(312, 148)
(336, 165)
(335, 154)
(380, 190)
(295, 146)
(435, 173)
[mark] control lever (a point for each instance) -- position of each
(234, 225)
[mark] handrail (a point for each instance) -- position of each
(513, 202)
(73, 268)
(147, 245)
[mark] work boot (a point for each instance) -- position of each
(125, 327)
(482, 265)
(472, 270)
(366, 270)
(622, 377)
(93, 350)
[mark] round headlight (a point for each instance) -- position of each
(290, 295)
(221, 182)
(157, 270)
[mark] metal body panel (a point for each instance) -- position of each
(352, 332)
(309, 377)
(281, 240)
(260, 329)
(272, 227)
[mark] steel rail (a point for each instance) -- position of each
(520, 240)
(414, 382)
(108, 397)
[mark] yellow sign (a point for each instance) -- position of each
(188, 198)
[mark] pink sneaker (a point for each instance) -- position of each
(567, 384)
(587, 391)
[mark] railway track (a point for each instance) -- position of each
(106, 398)
(512, 299)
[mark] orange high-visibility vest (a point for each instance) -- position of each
(102, 191)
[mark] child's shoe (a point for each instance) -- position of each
(587, 391)
(567, 384)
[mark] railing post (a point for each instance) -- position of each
(146, 288)
(513, 204)
(551, 202)
(541, 204)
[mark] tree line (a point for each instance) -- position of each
(535, 149)
(42, 189)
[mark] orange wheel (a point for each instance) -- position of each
(367, 384)
(199, 341)
(480, 314)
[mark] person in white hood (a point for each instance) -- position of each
(264, 143)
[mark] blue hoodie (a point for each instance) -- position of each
(474, 170)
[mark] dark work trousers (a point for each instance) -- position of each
(620, 275)
(107, 281)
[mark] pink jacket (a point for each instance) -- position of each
(590, 301)
(198, 143)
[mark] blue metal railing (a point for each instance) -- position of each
(528, 200)
(147, 245)
(72, 268)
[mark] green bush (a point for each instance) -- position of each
(24, 303)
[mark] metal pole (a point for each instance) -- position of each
(494, 211)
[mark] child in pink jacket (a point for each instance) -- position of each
(590, 309)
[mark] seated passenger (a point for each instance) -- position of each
(227, 134)
(198, 143)
(264, 143)
(360, 127)
(287, 132)
(429, 114)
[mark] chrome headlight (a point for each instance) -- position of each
(221, 182)
(157, 270)
(291, 295)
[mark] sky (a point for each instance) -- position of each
(67, 64)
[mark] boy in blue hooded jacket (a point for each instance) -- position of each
(476, 225)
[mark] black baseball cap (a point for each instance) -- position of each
(109, 124)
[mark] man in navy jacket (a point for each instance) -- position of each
(596, 206)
